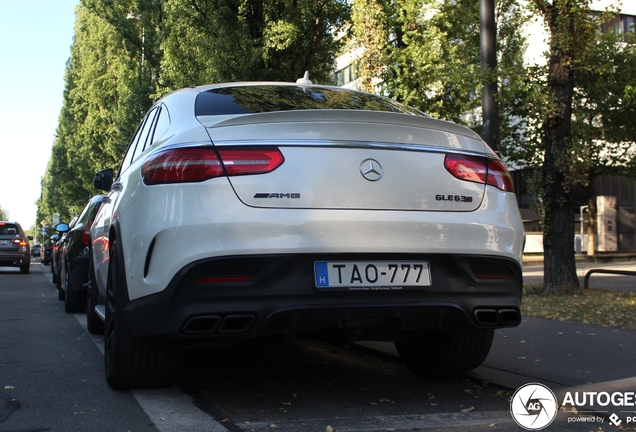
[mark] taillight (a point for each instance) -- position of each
(238, 161)
(479, 170)
(181, 165)
(86, 234)
(20, 242)
(498, 176)
(200, 164)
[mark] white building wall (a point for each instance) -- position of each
(537, 33)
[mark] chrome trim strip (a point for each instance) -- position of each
(352, 144)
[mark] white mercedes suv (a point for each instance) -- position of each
(248, 210)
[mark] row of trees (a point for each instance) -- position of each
(571, 118)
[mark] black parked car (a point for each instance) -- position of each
(73, 257)
(55, 255)
(47, 249)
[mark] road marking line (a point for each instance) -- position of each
(170, 409)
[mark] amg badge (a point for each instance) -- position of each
(277, 195)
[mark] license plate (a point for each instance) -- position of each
(4, 242)
(372, 275)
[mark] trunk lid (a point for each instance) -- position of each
(340, 159)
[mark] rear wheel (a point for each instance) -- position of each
(75, 300)
(93, 322)
(446, 352)
(132, 362)
(25, 268)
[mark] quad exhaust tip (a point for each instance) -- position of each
(211, 324)
(497, 317)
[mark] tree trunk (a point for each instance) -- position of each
(591, 214)
(558, 240)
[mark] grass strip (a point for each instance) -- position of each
(584, 305)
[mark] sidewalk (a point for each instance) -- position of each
(533, 272)
(560, 354)
(565, 356)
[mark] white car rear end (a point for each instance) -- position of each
(278, 209)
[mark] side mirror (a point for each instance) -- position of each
(103, 179)
(30, 238)
(54, 237)
(61, 227)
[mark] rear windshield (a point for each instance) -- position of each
(270, 98)
(9, 229)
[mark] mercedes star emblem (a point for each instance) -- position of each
(371, 170)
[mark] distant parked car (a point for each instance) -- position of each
(73, 257)
(35, 250)
(62, 229)
(47, 249)
(14, 247)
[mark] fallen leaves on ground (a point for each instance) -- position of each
(585, 305)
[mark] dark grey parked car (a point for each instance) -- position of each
(14, 247)
(73, 257)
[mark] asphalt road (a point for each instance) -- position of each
(51, 379)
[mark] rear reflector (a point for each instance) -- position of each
(199, 164)
(486, 270)
(479, 170)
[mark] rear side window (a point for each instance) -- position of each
(163, 123)
(139, 140)
(270, 98)
(10, 229)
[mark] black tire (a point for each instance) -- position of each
(446, 352)
(25, 268)
(132, 362)
(61, 295)
(75, 300)
(93, 322)
(54, 278)
(58, 281)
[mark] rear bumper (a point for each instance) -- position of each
(282, 299)
(14, 259)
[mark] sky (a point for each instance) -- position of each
(35, 44)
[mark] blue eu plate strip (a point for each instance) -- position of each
(322, 274)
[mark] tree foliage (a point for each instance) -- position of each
(102, 102)
(571, 118)
(245, 40)
(575, 119)
(128, 53)
(604, 109)
(426, 53)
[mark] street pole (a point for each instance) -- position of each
(488, 45)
